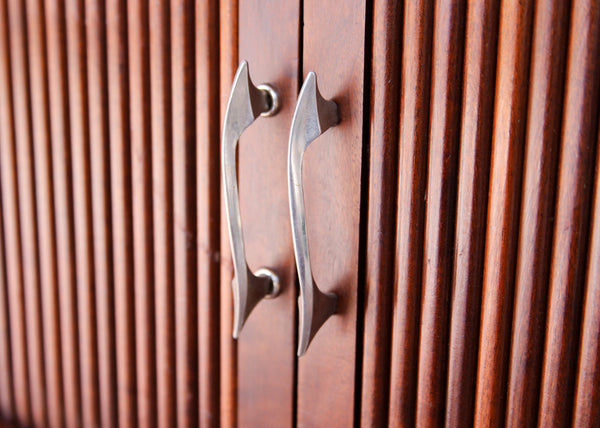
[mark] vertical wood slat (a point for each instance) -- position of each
(27, 207)
(474, 162)
(63, 204)
(45, 211)
(412, 167)
(12, 239)
(7, 399)
(537, 210)
(184, 210)
(162, 188)
(438, 249)
(120, 169)
(384, 109)
(503, 210)
(567, 272)
(82, 209)
(586, 411)
(228, 62)
(141, 172)
(100, 181)
(208, 206)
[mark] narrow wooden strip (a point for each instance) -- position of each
(100, 182)
(184, 210)
(82, 209)
(473, 173)
(228, 62)
(383, 180)
(12, 237)
(503, 210)
(412, 167)
(440, 211)
(27, 208)
(141, 172)
(548, 57)
(162, 182)
(7, 398)
(120, 170)
(63, 205)
(567, 272)
(208, 199)
(45, 210)
(586, 411)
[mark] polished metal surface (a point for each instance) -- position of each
(313, 116)
(246, 103)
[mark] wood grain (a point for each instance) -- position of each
(548, 57)
(471, 208)
(184, 210)
(208, 207)
(573, 200)
(412, 180)
(162, 201)
(63, 204)
(512, 80)
(383, 179)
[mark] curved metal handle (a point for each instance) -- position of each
(313, 116)
(246, 103)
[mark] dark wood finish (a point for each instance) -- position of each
(42, 167)
(503, 210)
(573, 200)
(208, 207)
(412, 171)
(19, 62)
(379, 277)
(162, 201)
(267, 345)
(334, 48)
(438, 249)
(586, 411)
(471, 208)
(184, 210)
(63, 205)
(537, 210)
(141, 185)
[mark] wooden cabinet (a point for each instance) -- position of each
(454, 211)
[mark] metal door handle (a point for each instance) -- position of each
(246, 103)
(313, 116)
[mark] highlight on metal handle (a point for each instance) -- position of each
(246, 103)
(313, 116)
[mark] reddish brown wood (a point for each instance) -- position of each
(586, 412)
(121, 202)
(19, 62)
(141, 184)
(474, 162)
(385, 102)
(82, 209)
(575, 177)
(412, 170)
(334, 48)
(208, 207)
(266, 347)
(42, 168)
(503, 210)
(228, 62)
(162, 190)
(537, 210)
(63, 205)
(184, 210)
(100, 180)
(438, 249)
(7, 400)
